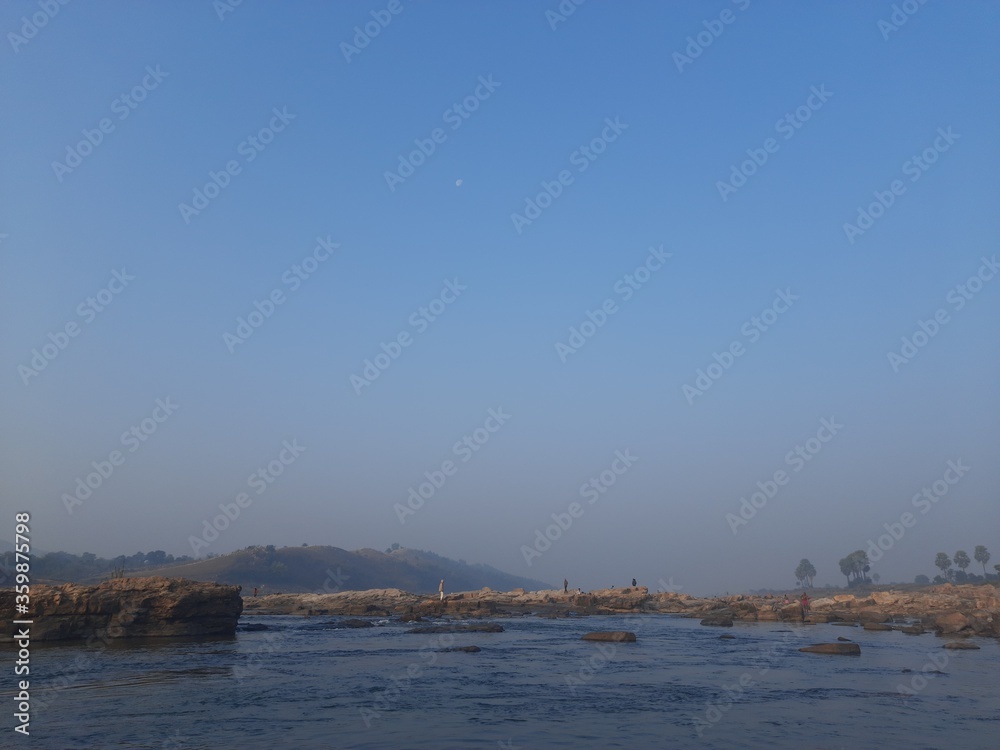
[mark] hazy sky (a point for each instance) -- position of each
(437, 197)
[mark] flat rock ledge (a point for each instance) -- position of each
(843, 649)
(128, 608)
(616, 636)
(475, 627)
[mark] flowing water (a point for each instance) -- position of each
(309, 684)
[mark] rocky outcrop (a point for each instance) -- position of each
(129, 608)
(926, 608)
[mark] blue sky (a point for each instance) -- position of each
(208, 85)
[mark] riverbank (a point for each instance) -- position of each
(965, 610)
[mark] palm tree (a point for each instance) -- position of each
(982, 556)
(856, 564)
(943, 561)
(805, 572)
(846, 568)
(962, 561)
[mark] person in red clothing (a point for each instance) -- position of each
(805, 605)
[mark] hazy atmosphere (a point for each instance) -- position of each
(552, 287)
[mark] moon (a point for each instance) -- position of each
(458, 183)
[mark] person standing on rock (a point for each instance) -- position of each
(633, 583)
(441, 589)
(805, 605)
(565, 586)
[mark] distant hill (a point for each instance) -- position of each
(318, 569)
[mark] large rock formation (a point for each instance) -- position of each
(128, 608)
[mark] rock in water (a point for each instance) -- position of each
(618, 636)
(722, 621)
(846, 649)
(845, 640)
(355, 623)
(877, 626)
(130, 608)
(466, 649)
(962, 645)
(475, 627)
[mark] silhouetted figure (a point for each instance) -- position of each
(565, 586)
(255, 591)
(633, 583)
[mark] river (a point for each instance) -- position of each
(306, 683)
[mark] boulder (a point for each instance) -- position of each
(618, 636)
(720, 620)
(356, 624)
(791, 611)
(128, 608)
(913, 630)
(961, 645)
(884, 598)
(870, 614)
(825, 603)
(845, 599)
(844, 649)
(845, 640)
(950, 622)
(877, 626)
